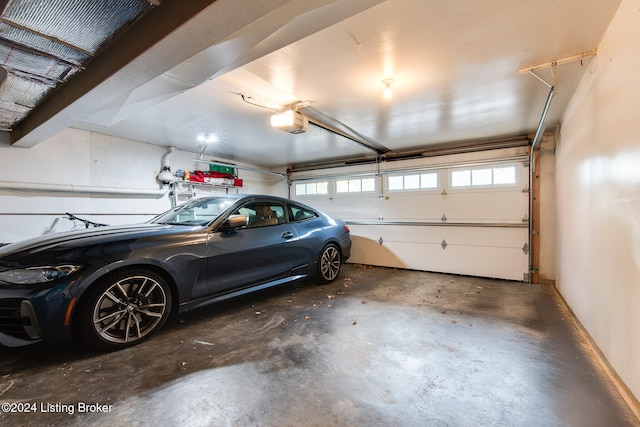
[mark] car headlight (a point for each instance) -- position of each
(34, 275)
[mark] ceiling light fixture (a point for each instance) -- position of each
(387, 88)
(290, 121)
(208, 138)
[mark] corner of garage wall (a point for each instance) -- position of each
(547, 199)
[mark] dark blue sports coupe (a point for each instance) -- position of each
(115, 286)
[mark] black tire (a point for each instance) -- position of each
(124, 309)
(329, 263)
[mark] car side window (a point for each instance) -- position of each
(298, 213)
(262, 214)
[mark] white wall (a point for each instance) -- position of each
(598, 197)
(80, 158)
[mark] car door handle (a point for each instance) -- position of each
(287, 235)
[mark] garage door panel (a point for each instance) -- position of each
(507, 206)
(483, 207)
(487, 252)
(506, 237)
(511, 207)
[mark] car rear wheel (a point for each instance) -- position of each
(125, 309)
(329, 263)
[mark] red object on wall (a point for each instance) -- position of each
(197, 176)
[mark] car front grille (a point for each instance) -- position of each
(13, 320)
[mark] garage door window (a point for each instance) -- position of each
(419, 181)
(501, 175)
(504, 175)
(312, 188)
(356, 185)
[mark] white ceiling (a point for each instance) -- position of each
(454, 64)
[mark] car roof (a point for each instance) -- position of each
(249, 197)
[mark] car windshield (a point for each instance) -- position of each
(196, 212)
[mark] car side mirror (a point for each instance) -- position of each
(235, 221)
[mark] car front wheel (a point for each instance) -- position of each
(329, 263)
(125, 309)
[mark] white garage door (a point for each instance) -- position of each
(465, 214)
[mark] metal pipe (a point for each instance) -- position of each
(538, 134)
(343, 134)
(440, 224)
(534, 74)
(535, 141)
(76, 213)
(72, 188)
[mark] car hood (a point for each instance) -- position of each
(91, 236)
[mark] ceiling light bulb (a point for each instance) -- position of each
(283, 119)
(207, 137)
(387, 88)
(290, 121)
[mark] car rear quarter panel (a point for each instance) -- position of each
(320, 231)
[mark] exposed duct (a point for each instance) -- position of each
(165, 176)
(166, 156)
(42, 50)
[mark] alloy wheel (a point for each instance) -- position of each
(130, 309)
(330, 263)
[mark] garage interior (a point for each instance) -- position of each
(482, 153)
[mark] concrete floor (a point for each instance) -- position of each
(379, 347)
